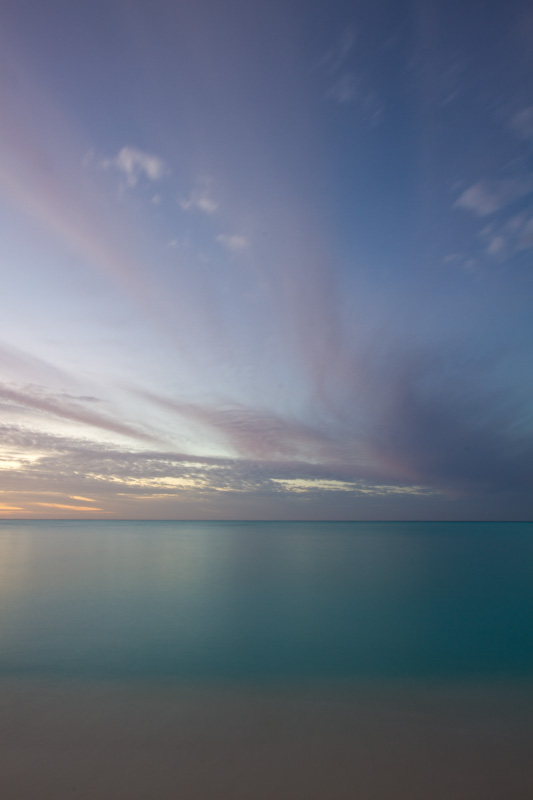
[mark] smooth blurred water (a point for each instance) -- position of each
(265, 600)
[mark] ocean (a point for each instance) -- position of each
(294, 659)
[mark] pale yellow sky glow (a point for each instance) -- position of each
(68, 507)
(162, 483)
(306, 485)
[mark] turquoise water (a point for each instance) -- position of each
(265, 600)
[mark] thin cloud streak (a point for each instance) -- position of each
(62, 408)
(253, 433)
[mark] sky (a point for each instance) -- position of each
(266, 259)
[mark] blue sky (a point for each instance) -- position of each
(266, 260)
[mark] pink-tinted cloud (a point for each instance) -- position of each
(74, 410)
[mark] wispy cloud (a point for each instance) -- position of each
(67, 507)
(445, 423)
(496, 246)
(486, 197)
(233, 242)
(201, 198)
(346, 86)
(526, 235)
(134, 164)
(436, 429)
(505, 238)
(348, 90)
(521, 123)
(65, 407)
(255, 433)
(334, 58)
(344, 90)
(18, 364)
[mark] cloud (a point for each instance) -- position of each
(234, 243)
(305, 485)
(41, 173)
(69, 468)
(63, 506)
(134, 163)
(335, 57)
(19, 365)
(448, 428)
(255, 433)
(453, 258)
(344, 90)
(487, 197)
(526, 236)
(65, 407)
(496, 246)
(201, 198)
(347, 90)
(504, 239)
(434, 431)
(522, 123)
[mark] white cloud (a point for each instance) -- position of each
(234, 243)
(200, 198)
(134, 163)
(487, 197)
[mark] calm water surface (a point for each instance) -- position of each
(266, 600)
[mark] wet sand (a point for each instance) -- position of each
(337, 742)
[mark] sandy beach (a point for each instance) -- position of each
(104, 740)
